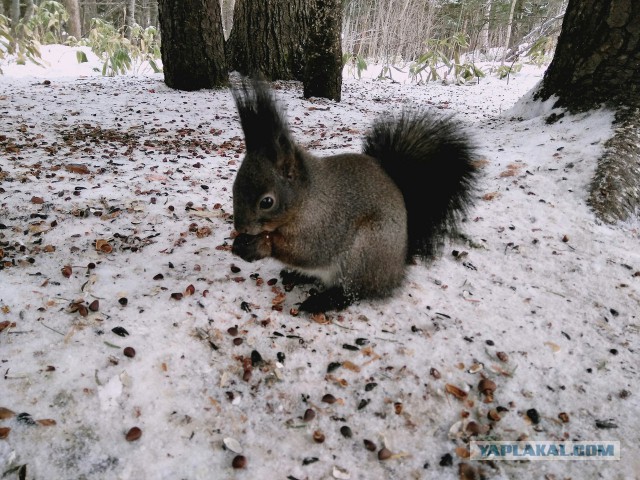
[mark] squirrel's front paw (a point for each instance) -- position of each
(252, 247)
(332, 299)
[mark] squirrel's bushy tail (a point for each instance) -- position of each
(432, 162)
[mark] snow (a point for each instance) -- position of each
(539, 279)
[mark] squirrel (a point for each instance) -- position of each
(350, 222)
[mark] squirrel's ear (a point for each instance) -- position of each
(265, 130)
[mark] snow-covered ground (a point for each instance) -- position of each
(115, 198)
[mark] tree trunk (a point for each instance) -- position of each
(15, 12)
(596, 62)
(130, 17)
(509, 27)
(484, 32)
(267, 39)
(597, 57)
(89, 12)
(28, 11)
(153, 13)
(192, 44)
(323, 62)
(73, 24)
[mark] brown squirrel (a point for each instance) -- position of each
(350, 222)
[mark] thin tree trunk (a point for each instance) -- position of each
(15, 12)
(73, 24)
(509, 27)
(153, 13)
(130, 17)
(28, 11)
(193, 44)
(484, 32)
(323, 62)
(90, 11)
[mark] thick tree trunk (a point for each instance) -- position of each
(192, 44)
(596, 62)
(73, 24)
(597, 57)
(323, 62)
(267, 39)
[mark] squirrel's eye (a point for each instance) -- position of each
(266, 203)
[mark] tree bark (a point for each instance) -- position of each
(73, 24)
(484, 32)
(509, 27)
(227, 16)
(192, 44)
(268, 38)
(597, 57)
(15, 12)
(89, 12)
(323, 62)
(130, 17)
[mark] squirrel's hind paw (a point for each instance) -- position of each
(332, 299)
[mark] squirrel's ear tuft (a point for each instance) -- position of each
(263, 123)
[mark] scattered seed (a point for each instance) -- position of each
(346, 431)
(503, 357)
(123, 301)
(369, 445)
(346, 346)
(363, 403)
(533, 415)
(397, 407)
(491, 343)
(493, 415)
(309, 460)
(370, 386)
(94, 306)
(564, 417)
(82, 310)
(486, 386)
(455, 391)
(384, 453)
(133, 434)
(333, 366)
(232, 444)
(159, 276)
(309, 414)
(177, 295)
(362, 341)
(318, 436)
(239, 462)
(446, 460)
(272, 281)
(435, 373)
(47, 422)
(233, 331)
(606, 424)
(256, 358)
(6, 413)
(120, 331)
(25, 418)
(4, 432)
(237, 341)
(129, 352)
(66, 271)
(328, 398)
(281, 357)
(190, 290)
